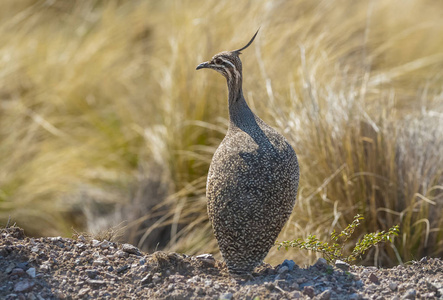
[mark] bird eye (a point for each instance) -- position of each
(218, 61)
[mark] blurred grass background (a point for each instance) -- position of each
(104, 121)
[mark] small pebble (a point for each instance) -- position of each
(206, 258)
(83, 292)
(156, 278)
(17, 272)
(104, 245)
(342, 265)
(226, 296)
(31, 272)
(23, 286)
(269, 285)
(123, 268)
(289, 263)
(354, 296)
(9, 268)
(392, 285)
(147, 279)
(121, 254)
(194, 279)
(96, 283)
(23, 265)
(410, 294)
(326, 295)
(131, 249)
(92, 273)
(309, 291)
(99, 262)
(321, 262)
(373, 278)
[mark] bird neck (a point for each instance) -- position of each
(240, 114)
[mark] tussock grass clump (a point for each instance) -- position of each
(104, 120)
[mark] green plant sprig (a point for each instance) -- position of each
(335, 250)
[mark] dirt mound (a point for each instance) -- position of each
(62, 268)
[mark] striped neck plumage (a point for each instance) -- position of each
(240, 115)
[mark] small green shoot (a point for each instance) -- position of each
(335, 250)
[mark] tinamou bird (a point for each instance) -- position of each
(253, 177)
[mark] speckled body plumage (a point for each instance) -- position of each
(252, 181)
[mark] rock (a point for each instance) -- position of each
(31, 272)
(83, 292)
(289, 263)
(147, 279)
(280, 283)
(121, 254)
(392, 285)
(433, 286)
(282, 269)
(359, 284)
(302, 280)
(9, 268)
(99, 262)
(17, 272)
(95, 243)
(321, 262)
(207, 259)
(226, 296)
(81, 238)
(105, 244)
(23, 265)
(354, 296)
(342, 265)
(45, 267)
(410, 294)
(309, 291)
(131, 249)
(23, 286)
(424, 260)
(96, 283)
(92, 273)
(194, 279)
(326, 295)
(199, 291)
(296, 295)
(373, 278)
(123, 268)
(156, 278)
(269, 285)
(295, 286)
(80, 246)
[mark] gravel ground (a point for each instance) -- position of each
(62, 268)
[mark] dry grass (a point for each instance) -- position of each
(103, 118)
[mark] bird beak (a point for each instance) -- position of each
(203, 65)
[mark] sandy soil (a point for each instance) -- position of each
(62, 268)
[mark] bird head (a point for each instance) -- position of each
(227, 63)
